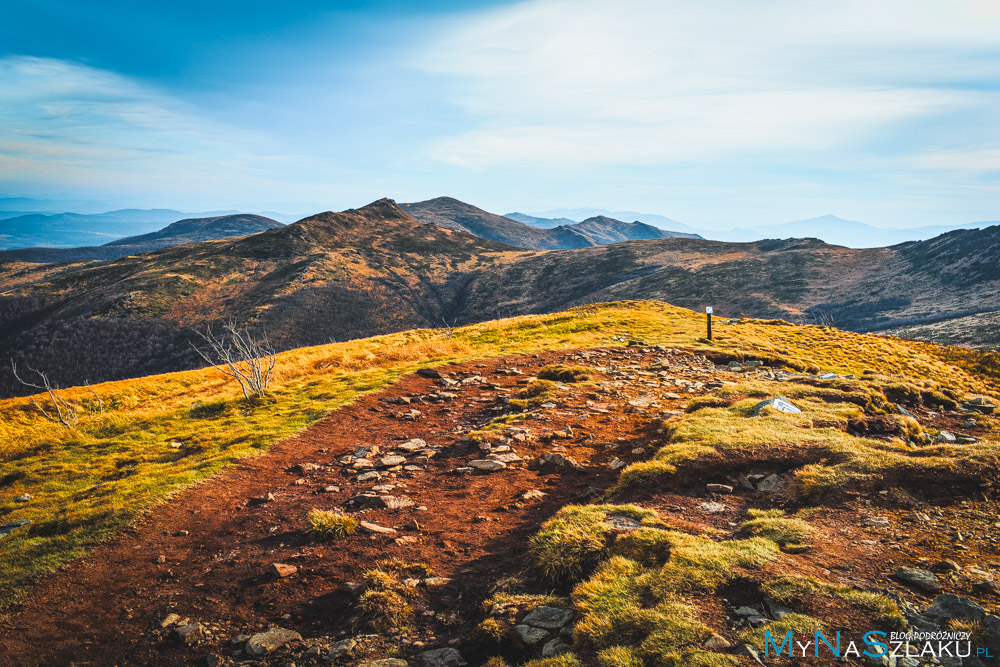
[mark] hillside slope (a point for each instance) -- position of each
(345, 275)
(329, 277)
(631, 506)
(189, 230)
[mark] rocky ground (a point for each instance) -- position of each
(448, 474)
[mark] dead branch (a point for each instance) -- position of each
(65, 413)
(100, 403)
(247, 358)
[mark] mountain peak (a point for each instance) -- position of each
(383, 209)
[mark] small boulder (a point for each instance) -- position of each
(530, 635)
(719, 488)
(549, 618)
(189, 633)
(375, 529)
(442, 657)
(771, 484)
(487, 465)
(281, 570)
(269, 641)
(922, 580)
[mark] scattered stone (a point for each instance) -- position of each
(555, 647)
(442, 657)
(429, 373)
(711, 507)
(271, 640)
(303, 468)
(980, 405)
(487, 465)
(369, 501)
(413, 445)
(779, 403)
(616, 463)
(370, 476)
(549, 618)
(559, 460)
(343, 648)
(390, 461)
(171, 619)
(189, 633)
(922, 580)
(364, 451)
(376, 529)
(750, 651)
(945, 436)
(530, 635)
(435, 582)
(716, 643)
(771, 484)
(281, 570)
(945, 567)
(878, 521)
(505, 457)
(533, 494)
(23, 498)
(719, 488)
(331, 489)
(8, 528)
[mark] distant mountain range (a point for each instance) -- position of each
(829, 228)
(599, 230)
(377, 269)
(190, 230)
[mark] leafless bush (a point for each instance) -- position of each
(62, 411)
(243, 356)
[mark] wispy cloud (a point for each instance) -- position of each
(83, 127)
(647, 82)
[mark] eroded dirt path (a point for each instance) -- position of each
(206, 554)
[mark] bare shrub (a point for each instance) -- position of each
(247, 358)
(62, 411)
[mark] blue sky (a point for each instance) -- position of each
(715, 112)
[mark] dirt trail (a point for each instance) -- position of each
(205, 554)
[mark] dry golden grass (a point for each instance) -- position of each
(163, 432)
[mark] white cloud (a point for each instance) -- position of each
(81, 127)
(645, 82)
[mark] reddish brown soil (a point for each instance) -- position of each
(217, 545)
(104, 608)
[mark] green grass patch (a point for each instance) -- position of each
(330, 524)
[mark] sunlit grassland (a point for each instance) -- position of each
(90, 481)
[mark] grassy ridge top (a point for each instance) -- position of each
(160, 433)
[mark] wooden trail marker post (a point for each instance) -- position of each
(708, 314)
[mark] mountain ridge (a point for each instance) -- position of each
(377, 270)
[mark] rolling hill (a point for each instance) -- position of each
(336, 276)
(190, 230)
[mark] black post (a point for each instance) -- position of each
(709, 326)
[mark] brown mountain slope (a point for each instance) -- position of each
(599, 230)
(376, 270)
(330, 276)
(454, 214)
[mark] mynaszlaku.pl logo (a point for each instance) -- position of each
(875, 644)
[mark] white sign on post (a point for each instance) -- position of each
(708, 309)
